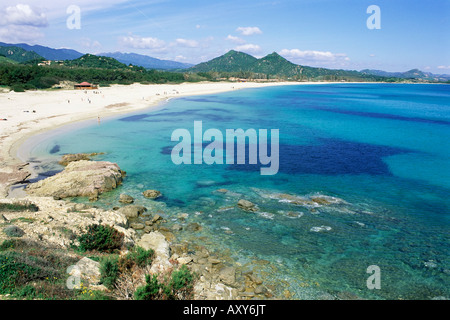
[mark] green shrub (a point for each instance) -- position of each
(18, 88)
(179, 286)
(150, 291)
(101, 238)
(136, 257)
(109, 271)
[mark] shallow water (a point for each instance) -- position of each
(364, 179)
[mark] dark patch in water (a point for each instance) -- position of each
(200, 184)
(327, 157)
(171, 202)
(200, 114)
(330, 157)
(383, 116)
(55, 149)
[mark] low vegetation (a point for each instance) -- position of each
(30, 270)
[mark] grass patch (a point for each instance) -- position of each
(18, 207)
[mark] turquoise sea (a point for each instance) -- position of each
(375, 157)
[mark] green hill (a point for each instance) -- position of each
(274, 66)
(93, 61)
(232, 61)
(19, 55)
(4, 59)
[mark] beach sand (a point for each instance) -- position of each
(25, 114)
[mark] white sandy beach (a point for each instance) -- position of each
(34, 112)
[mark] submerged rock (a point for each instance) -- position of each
(79, 179)
(152, 194)
(247, 205)
(124, 198)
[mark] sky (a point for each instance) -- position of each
(340, 34)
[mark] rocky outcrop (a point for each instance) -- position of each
(247, 205)
(79, 179)
(132, 211)
(68, 158)
(152, 194)
(125, 198)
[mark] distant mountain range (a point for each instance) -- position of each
(146, 61)
(47, 53)
(233, 62)
(126, 58)
(411, 74)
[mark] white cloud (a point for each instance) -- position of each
(249, 48)
(187, 43)
(18, 34)
(443, 67)
(236, 40)
(248, 31)
(314, 57)
(22, 15)
(138, 42)
(21, 23)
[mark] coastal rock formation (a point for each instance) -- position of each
(57, 224)
(79, 179)
(68, 158)
(247, 205)
(152, 194)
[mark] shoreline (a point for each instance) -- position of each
(33, 113)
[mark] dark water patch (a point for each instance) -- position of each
(195, 114)
(383, 116)
(55, 149)
(329, 157)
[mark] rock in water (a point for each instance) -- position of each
(124, 198)
(79, 179)
(132, 211)
(68, 158)
(151, 194)
(247, 205)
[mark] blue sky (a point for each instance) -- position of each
(321, 33)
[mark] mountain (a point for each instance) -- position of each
(276, 65)
(232, 61)
(273, 65)
(410, 74)
(18, 54)
(146, 61)
(46, 52)
(93, 61)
